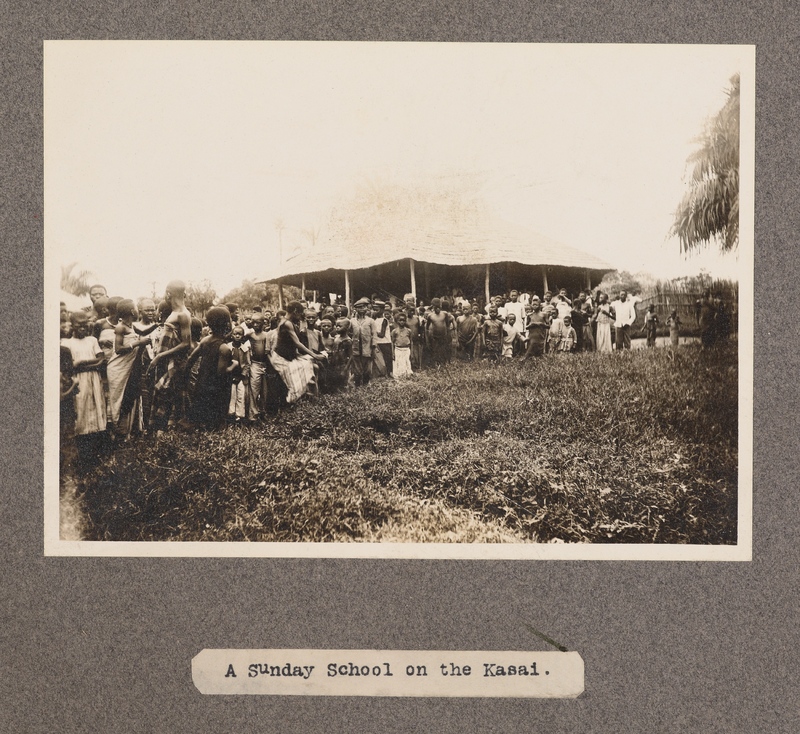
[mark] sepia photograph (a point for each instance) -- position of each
(398, 300)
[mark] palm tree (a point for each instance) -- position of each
(75, 283)
(710, 208)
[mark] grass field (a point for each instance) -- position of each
(639, 447)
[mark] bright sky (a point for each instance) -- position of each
(176, 159)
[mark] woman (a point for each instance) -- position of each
(292, 360)
(124, 373)
(604, 317)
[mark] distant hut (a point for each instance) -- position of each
(429, 243)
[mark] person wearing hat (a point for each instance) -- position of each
(362, 326)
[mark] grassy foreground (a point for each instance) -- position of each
(639, 447)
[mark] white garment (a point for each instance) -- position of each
(518, 309)
(625, 312)
(510, 333)
(402, 362)
(563, 308)
(237, 404)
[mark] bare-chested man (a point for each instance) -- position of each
(439, 328)
(170, 399)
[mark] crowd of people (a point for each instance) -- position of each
(133, 367)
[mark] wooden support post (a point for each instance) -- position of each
(427, 283)
(588, 281)
(280, 294)
(486, 285)
(347, 291)
(413, 280)
(302, 287)
(544, 280)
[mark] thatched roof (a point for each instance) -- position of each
(433, 224)
(467, 245)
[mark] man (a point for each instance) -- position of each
(362, 326)
(625, 315)
(439, 328)
(96, 292)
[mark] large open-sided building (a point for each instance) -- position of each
(410, 243)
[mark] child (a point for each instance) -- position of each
(382, 340)
(98, 316)
(537, 330)
(327, 335)
(326, 340)
(401, 347)
(467, 328)
(329, 313)
(650, 324)
(554, 333)
(548, 307)
(104, 329)
(674, 324)
(493, 335)
(341, 356)
(566, 338)
(212, 392)
(259, 361)
(240, 350)
(523, 327)
(496, 302)
(124, 372)
(89, 396)
(588, 335)
(480, 318)
(511, 337)
(577, 323)
(417, 337)
(69, 388)
(312, 334)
